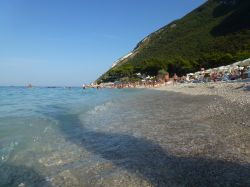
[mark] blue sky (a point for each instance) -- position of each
(70, 42)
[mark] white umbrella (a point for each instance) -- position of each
(245, 62)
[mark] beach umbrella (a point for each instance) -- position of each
(236, 63)
(222, 68)
(138, 74)
(208, 71)
(245, 62)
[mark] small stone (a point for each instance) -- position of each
(21, 185)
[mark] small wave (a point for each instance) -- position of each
(100, 108)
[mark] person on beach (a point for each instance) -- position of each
(175, 79)
(214, 76)
(166, 78)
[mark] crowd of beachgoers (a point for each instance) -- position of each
(231, 73)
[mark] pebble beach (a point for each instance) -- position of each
(233, 92)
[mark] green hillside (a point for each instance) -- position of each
(217, 33)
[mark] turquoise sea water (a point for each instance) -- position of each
(41, 130)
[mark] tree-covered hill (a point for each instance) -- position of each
(216, 33)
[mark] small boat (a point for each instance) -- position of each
(29, 86)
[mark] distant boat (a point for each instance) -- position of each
(29, 86)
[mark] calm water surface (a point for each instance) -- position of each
(42, 133)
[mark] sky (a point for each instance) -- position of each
(71, 42)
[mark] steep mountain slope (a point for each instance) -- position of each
(216, 33)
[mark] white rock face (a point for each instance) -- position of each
(121, 59)
(131, 53)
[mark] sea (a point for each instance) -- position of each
(70, 136)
